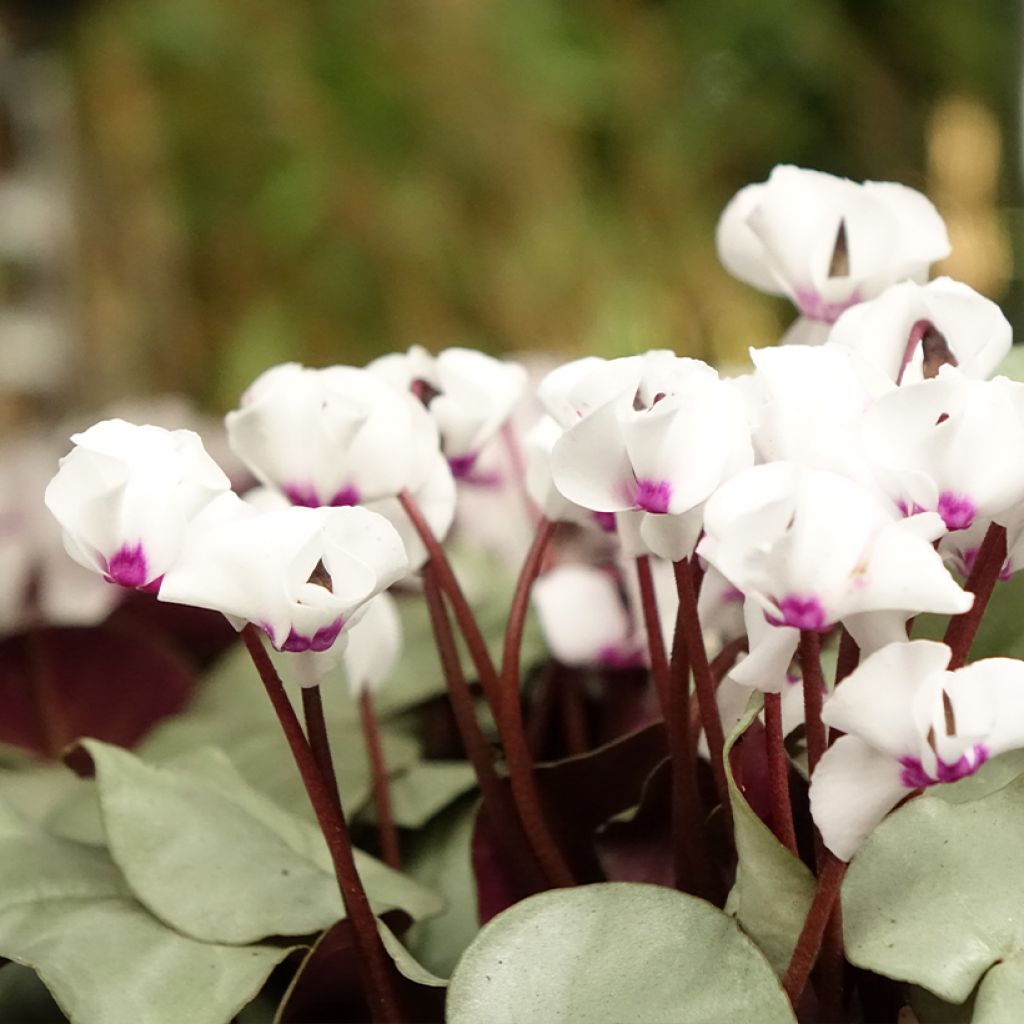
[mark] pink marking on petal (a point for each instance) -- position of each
(732, 595)
(606, 520)
(914, 776)
(616, 657)
(302, 494)
(957, 510)
(462, 465)
(321, 640)
(801, 613)
(1007, 570)
(653, 495)
(127, 567)
(348, 495)
(814, 307)
(907, 510)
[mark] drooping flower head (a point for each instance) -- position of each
(469, 394)
(301, 574)
(910, 725)
(125, 495)
(828, 243)
(337, 436)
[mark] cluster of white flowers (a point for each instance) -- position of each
(836, 485)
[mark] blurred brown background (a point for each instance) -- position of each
(191, 190)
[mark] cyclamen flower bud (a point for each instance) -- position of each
(827, 243)
(125, 495)
(301, 574)
(911, 331)
(910, 724)
(337, 436)
(470, 396)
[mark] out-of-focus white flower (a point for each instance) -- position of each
(911, 330)
(828, 243)
(720, 609)
(661, 447)
(910, 724)
(950, 445)
(470, 396)
(584, 618)
(812, 548)
(301, 574)
(125, 495)
(374, 643)
(337, 436)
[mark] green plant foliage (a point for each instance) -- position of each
(440, 857)
(66, 911)
(773, 889)
(936, 897)
(427, 788)
(614, 952)
(221, 862)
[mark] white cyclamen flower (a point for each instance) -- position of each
(125, 495)
(828, 243)
(813, 548)
(301, 574)
(337, 436)
(911, 330)
(661, 446)
(470, 395)
(950, 445)
(374, 643)
(910, 724)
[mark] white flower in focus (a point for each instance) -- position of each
(470, 396)
(827, 243)
(337, 436)
(911, 330)
(950, 445)
(660, 447)
(374, 643)
(812, 548)
(584, 619)
(909, 725)
(301, 574)
(125, 495)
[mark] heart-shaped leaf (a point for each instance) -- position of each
(221, 862)
(613, 952)
(936, 895)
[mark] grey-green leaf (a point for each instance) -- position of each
(936, 894)
(221, 862)
(618, 951)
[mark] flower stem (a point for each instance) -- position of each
(703, 680)
(377, 968)
(499, 808)
(574, 714)
(468, 626)
(778, 773)
(386, 831)
(814, 697)
(319, 744)
(689, 855)
(826, 896)
(981, 582)
(517, 751)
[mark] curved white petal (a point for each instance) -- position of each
(852, 789)
(740, 250)
(590, 465)
(374, 643)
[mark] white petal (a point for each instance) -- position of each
(853, 788)
(373, 646)
(742, 253)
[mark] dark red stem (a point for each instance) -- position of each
(671, 681)
(826, 897)
(981, 582)
(574, 714)
(703, 681)
(387, 834)
(778, 773)
(814, 696)
(498, 805)
(319, 744)
(468, 626)
(377, 968)
(517, 751)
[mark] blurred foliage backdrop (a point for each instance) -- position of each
(256, 180)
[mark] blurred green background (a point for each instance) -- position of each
(259, 180)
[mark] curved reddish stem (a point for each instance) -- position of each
(981, 582)
(387, 833)
(778, 773)
(319, 744)
(814, 697)
(517, 751)
(377, 968)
